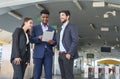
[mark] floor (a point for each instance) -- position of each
(54, 77)
(58, 77)
(6, 72)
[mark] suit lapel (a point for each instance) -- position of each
(58, 37)
(59, 30)
(63, 35)
(24, 34)
(40, 27)
(49, 28)
(65, 31)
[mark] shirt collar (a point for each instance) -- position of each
(65, 24)
(44, 25)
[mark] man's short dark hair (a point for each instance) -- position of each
(44, 12)
(67, 12)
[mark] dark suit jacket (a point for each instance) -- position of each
(19, 47)
(39, 48)
(70, 40)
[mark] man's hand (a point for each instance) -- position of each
(68, 56)
(40, 37)
(51, 42)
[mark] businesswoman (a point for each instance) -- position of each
(20, 56)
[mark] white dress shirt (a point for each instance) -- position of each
(44, 27)
(61, 47)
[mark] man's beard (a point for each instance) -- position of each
(64, 21)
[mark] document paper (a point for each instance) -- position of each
(48, 35)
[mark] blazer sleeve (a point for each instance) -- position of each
(75, 41)
(15, 45)
(34, 37)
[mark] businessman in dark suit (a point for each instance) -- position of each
(43, 50)
(68, 43)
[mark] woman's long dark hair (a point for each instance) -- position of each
(26, 19)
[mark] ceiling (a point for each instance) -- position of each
(81, 18)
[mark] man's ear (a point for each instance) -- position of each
(68, 17)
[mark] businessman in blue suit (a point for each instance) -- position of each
(43, 50)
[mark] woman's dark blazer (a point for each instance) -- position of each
(19, 47)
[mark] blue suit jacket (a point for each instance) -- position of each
(39, 48)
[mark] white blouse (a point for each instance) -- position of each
(27, 38)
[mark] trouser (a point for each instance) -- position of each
(39, 62)
(19, 70)
(66, 67)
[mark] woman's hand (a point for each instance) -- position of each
(17, 61)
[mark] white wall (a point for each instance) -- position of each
(6, 52)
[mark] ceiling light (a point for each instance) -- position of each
(112, 47)
(106, 15)
(113, 5)
(92, 26)
(15, 14)
(104, 29)
(98, 4)
(116, 28)
(39, 6)
(118, 45)
(77, 4)
(99, 36)
(117, 39)
(111, 12)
